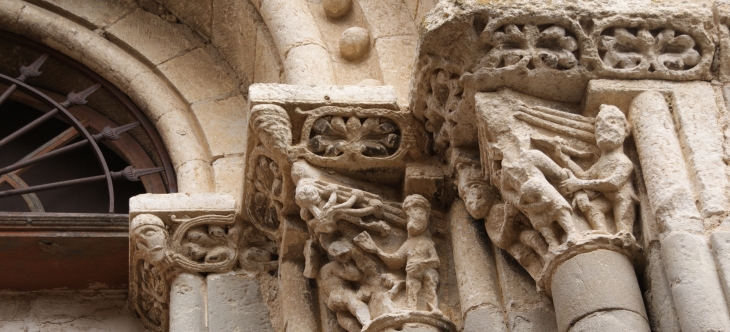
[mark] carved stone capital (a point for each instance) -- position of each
(337, 128)
(175, 233)
(323, 179)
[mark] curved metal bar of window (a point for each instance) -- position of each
(70, 118)
(146, 125)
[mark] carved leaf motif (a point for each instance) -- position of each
(531, 46)
(657, 50)
(152, 294)
(334, 136)
(268, 183)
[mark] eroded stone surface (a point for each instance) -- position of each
(535, 138)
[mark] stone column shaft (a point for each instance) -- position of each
(188, 303)
(598, 291)
(476, 273)
(695, 284)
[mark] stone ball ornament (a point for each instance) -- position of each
(336, 8)
(354, 43)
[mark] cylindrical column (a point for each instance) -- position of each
(596, 292)
(687, 259)
(476, 274)
(187, 303)
(298, 300)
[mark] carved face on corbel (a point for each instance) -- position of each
(150, 236)
(474, 191)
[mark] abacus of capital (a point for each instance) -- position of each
(560, 167)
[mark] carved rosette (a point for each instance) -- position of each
(363, 138)
(344, 139)
(547, 51)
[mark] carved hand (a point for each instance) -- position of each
(571, 185)
(414, 267)
(364, 241)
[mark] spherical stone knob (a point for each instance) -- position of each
(354, 43)
(336, 8)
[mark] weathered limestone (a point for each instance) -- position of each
(595, 291)
(172, 239)
(686, 256)
(224, 122)
(299, 43)
(66, 310)
(481, 299)
(235, 302)
(555, 122)
(150, 35)
(188, 303)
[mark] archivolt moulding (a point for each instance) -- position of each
(151, 93)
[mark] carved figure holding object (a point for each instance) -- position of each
(538, 199)
(335, 278)
(609, 176)
(322, 216)
(418, 253)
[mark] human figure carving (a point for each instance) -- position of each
(335, 278)
(322, 216)
(418, 254)
(476, 193)
(538, 199)
(609, 176)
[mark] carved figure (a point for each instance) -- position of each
(474, 191)
(208, 245)
(335, 278)
(151, 264)
(150, 236)
(322, 216)
(538, 199)
(610, 175)
(418, 253)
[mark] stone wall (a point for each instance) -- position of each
(56, 311)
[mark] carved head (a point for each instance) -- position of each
(307, 195)
(475, 191)
(418, 210)
(272, 126)
(611, 127)
(150, 235)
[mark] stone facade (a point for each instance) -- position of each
(415, 165)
